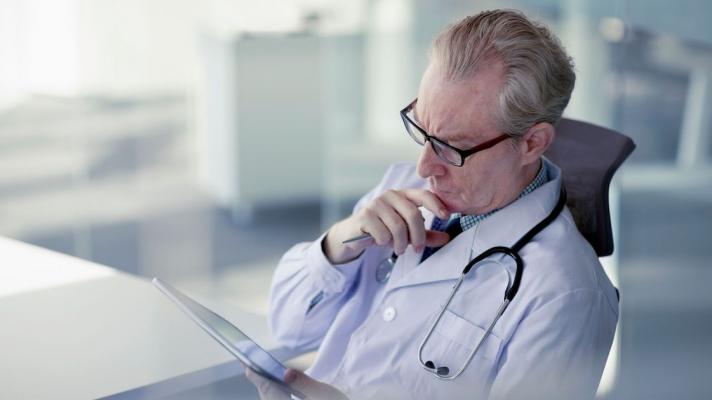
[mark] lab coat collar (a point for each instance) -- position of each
(503, 228)
(509, 224)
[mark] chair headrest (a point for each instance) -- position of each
(588, 156)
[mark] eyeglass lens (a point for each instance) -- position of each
(445, 153)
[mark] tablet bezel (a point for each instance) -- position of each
(168, 291)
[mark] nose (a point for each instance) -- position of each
(429, 164)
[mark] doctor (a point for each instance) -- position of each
(485, 113)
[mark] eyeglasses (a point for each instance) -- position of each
(444, 151)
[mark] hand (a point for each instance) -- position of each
(311, 388)
(391, 218)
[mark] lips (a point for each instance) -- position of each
(438, 189)
(448, 197)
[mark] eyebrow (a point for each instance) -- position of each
(456, 137)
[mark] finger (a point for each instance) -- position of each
(412, 216)
(248, 373)
(310, 387)
(260, 383)
(395, 224)
(436, 238)
(428, 200)
(373, 225)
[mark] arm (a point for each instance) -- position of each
(308, 290)
(559, 350)
(307, 293)
(312, 280)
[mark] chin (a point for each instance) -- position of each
(452, 204)
(452, 200)
(456, 204)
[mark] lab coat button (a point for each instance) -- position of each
(389, 314)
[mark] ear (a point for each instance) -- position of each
(535, 142)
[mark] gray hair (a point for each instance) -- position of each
(539, 74)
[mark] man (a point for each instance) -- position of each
(485, 113)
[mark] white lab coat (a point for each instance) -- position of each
(552, 341)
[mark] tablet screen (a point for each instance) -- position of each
(233, 339)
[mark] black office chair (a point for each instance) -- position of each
(588, 156)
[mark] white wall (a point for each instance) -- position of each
(38, 48)
(128, 47)
(137, 46)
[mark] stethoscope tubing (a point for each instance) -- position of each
(509, 294)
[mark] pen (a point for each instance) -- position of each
(357, 238)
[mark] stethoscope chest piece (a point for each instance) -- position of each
(384, 269)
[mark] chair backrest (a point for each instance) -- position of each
(588, 156)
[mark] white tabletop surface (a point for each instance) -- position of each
(74, 329)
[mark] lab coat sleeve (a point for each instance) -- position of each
(559, 350)
(308, 291)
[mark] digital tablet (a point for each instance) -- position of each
(229, 336)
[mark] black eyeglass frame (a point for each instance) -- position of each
(427, 137)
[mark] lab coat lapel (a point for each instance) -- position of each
(445, 264)
(410, 258)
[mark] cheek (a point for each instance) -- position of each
(470, 183)
(478, 182)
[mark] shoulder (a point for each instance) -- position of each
(560, 260)
(398, 176)
(402, 175)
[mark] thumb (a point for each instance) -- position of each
(310, 387)
(436, 238)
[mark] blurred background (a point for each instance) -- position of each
(198, 140)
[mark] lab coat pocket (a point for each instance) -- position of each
(450, 346)
(462, 333)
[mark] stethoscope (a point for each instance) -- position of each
(383, 272)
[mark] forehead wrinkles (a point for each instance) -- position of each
(435, 119)
(443, 115)
(438, 111)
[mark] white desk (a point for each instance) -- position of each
(74, 329)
